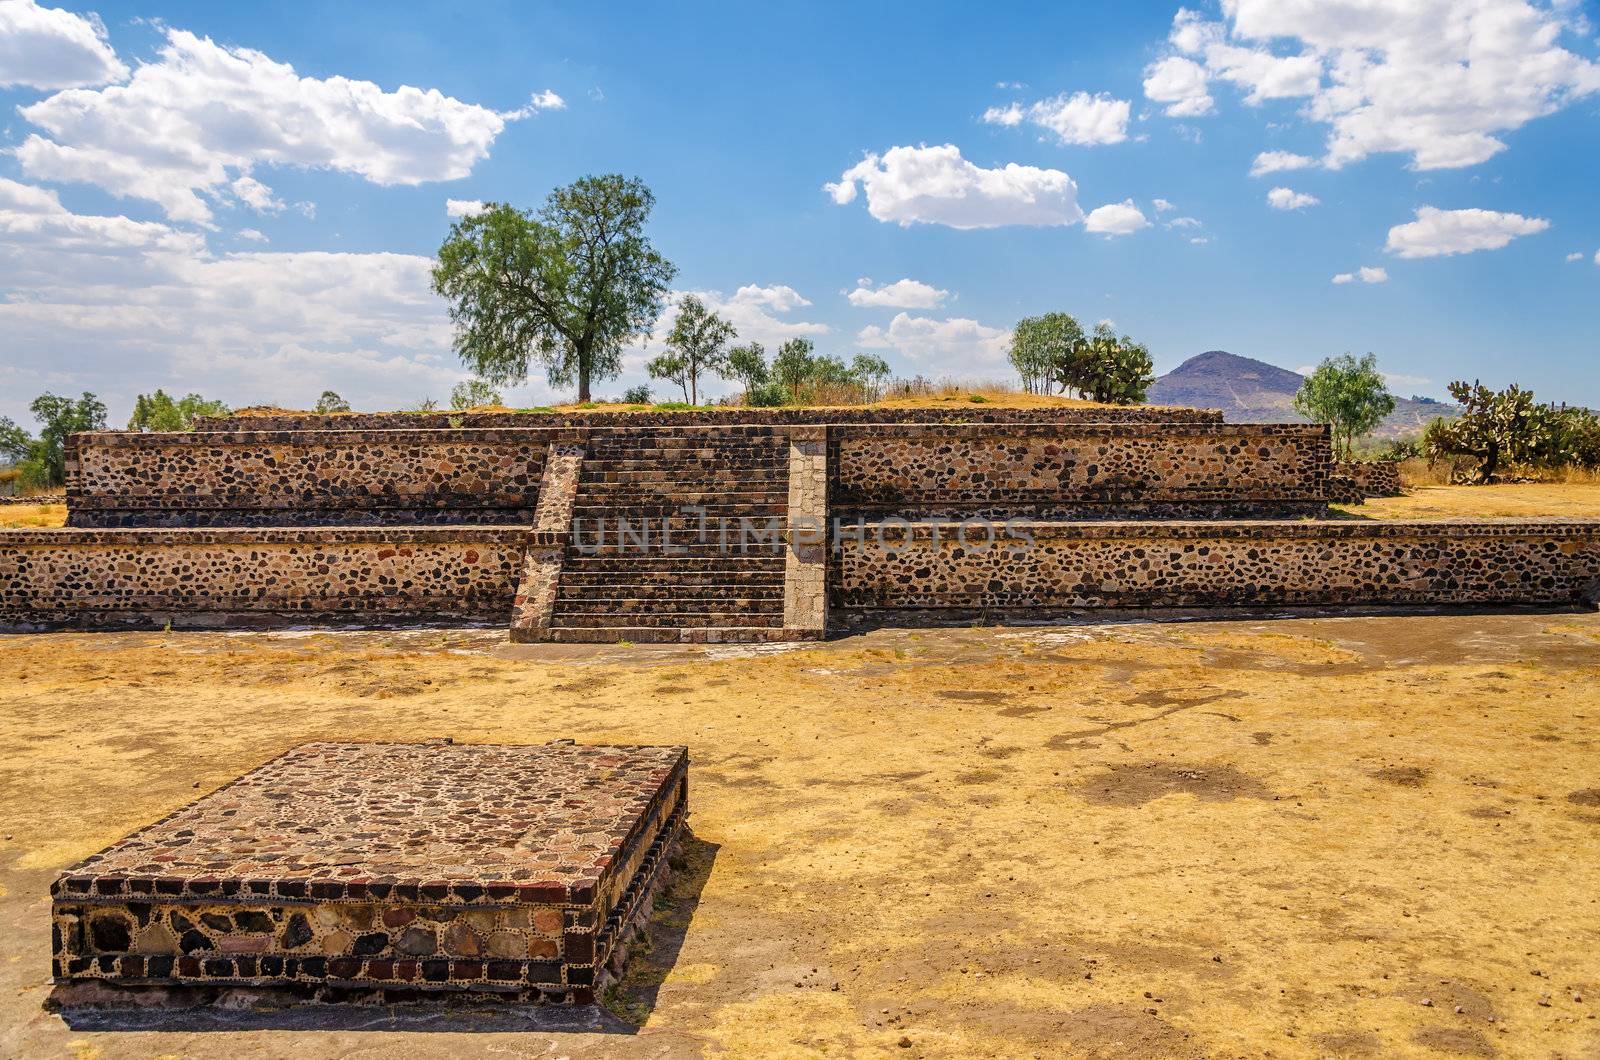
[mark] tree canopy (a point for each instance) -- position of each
(1348, 394)
(330, 401)
(570, 285)
(473, 393)
(42, 460)
(1051, 351)
(159, 412)
(697, 344)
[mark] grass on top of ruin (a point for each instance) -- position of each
(31, 516)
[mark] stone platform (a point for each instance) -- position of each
(344, 870)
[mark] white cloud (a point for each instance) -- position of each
(1439, 80)
(118, 306)
(1076, 119)
(546, 100)
(1181, 84)
(902, 294)
(1199, 241)
(461, 207)
(1183, 222)
(1289, 199)
(1366, 274)
(1576, 255)
(780, 298)
(1401, 379)
(1597, 257)
(188, 129)
(955, 344)
(48, 48)
(935, 185)
(1116, 219)
(1162, 205)
(1278, 162)
(254, 235)
(1438, 232)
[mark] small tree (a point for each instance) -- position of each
(636, 395)
(697, 344)
(1044, 349)
(1110, 370)
(1348, 394)
(793, 366)
(473, 393)
(329, 402)
(1495, 428)
(158, 412)
(571, 285)
(43, 459)
(871, 372)
(748, 365)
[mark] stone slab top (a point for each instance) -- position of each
(444, 824)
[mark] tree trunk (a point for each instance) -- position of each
(583, 375)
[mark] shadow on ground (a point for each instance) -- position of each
(624, 1010)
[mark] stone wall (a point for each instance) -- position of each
(145, 578)
(1076, 565)
(965, 413)
(1081, 471)
(1352, 481)
(298, 478)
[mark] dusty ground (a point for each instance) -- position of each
(14, 516)
(1504, 500)
(1327, 836)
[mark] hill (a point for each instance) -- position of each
(1252, 391)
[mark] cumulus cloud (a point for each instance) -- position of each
(1577, 255)
(1079, 119)
(1366, 274)
(1438, 232)
(1181, 84)
(1597, 257)
(1289, 199)
(1116, 219)
(1184, 222)
(935, 185)
(117, 306)
(461, 207)
(902, 294)
(188, 129)
(254, 235)
(1162, 205)
(48, 48)
(953, 344)
(1438, 80)
(1278, 162)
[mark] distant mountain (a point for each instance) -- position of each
(1252, 391)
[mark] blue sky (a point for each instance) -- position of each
(240, 199)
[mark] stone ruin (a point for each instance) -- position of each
(381, 872)
(740, 524)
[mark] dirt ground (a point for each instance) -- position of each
(1565, 500)
(1352, 836)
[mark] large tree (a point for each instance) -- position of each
(748, 364)
(1348, 394)
(697, 344)
(570, 285)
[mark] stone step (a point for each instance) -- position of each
(688, 450)
(712, 509)
(646, 470)
(665, 619)
(667, 635)
(588, 592)
(623, 579)
(600, 606)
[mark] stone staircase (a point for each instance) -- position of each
(676, 536)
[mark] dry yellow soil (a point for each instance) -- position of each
(1354, 836)
(18, 516)
(1504, 500)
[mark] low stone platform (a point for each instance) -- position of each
(339, 871)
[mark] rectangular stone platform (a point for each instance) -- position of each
(395, 867)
